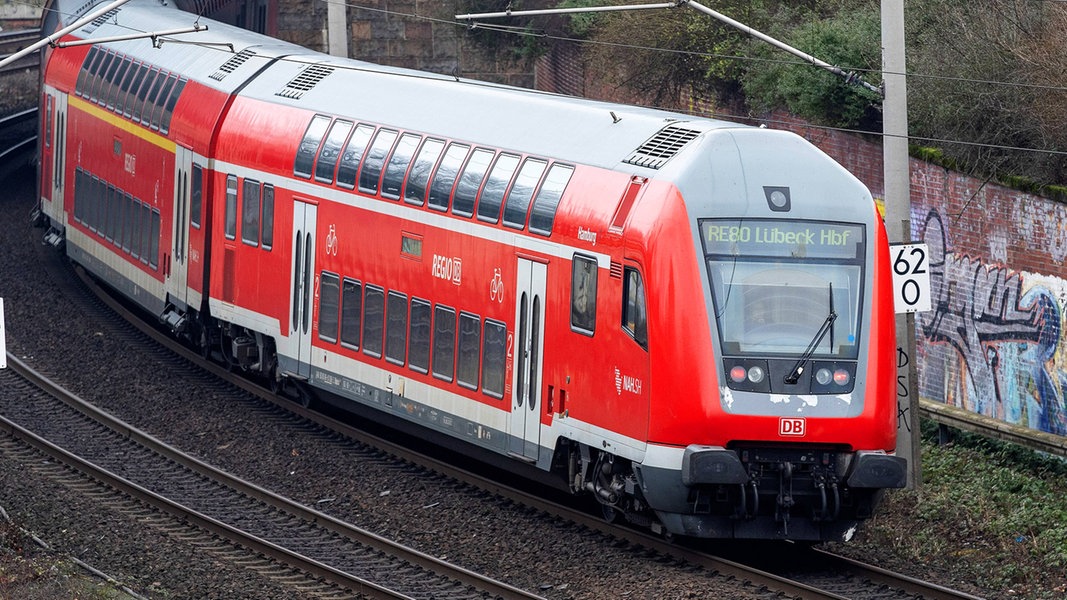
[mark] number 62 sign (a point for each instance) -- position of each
(911, 277)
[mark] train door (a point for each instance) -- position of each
(303, 279)
(525, 434)
(177, 270)
(53, 155)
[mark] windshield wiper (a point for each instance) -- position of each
(827, 327)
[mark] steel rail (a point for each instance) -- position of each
(207, 523)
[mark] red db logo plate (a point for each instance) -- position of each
(792, 427)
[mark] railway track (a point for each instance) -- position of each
(338, 555)
(13, 41)
(813, 574)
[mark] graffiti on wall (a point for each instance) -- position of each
(993, 341)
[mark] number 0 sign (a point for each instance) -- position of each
(911, 277)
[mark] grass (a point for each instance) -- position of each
(988, 512)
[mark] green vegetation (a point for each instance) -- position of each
(985, 83)
(988, 511)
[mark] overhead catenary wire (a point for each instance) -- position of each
(727, 116)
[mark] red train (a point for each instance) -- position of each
(689, 319)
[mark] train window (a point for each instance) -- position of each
(397, 167)
(134, 76)
(79, 195)
(172, 101)
(197, 196)
(250, 212)
(231, 207)
(351, 312)
(545, 204)
(109, 78)
(518, 201)
(135, 240)
(151, 101)
(371, 171)
(396, 328)
(267, 238)
(445, 177)
(329, 301)
(373, 320)
(109, 214)
(138, 109)
(633, 307)
(419, 177)
(470, 337)
(116, 218)
(419, 336)
(470, 181)
(444, 342)
(153, 256)
(145, 217)
(115, 82)
(135, 86)
(129, 209)
(156, 113)
(331, 150)
(99, 72)
(309, 146)
(493, 194)
(583, 294)
(85, 73)
(494, 357)
(352, 155)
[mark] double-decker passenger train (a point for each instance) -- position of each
(690, 320)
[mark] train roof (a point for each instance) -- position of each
(567, 128)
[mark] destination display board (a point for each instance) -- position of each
(780, 238)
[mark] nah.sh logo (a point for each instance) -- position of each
(791, 426)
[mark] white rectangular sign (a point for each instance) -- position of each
(911, 277)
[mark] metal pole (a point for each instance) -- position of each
(896, 170)
(51, 39)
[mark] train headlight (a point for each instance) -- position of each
(749, 375)
(833, 377)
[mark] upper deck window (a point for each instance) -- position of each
(545, 204)
(371, 171)
(419, 177)
(445, 177)
(493, 195)
(398, 165)
(309, 146)
(518, 201)
(470, 182)
(331, 150)
(352, 155)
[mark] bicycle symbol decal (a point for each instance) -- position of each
(331, 241)
(496, 287)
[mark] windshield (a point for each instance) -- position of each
(776, 307)
(775, 285)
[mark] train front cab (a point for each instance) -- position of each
(773, 398)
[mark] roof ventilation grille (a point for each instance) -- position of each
(231, 65)
(661, 147)
(104, 18)
(307, 79)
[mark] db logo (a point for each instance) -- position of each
(791, 426)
